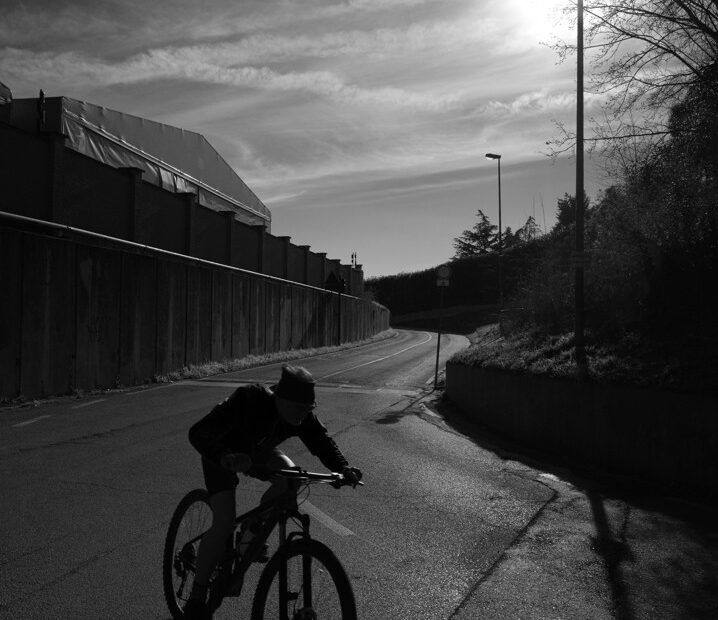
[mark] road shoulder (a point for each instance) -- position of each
(595, 551)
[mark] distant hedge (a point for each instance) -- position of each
(474, 281)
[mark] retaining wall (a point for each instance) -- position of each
(83, 311)
(669, 439)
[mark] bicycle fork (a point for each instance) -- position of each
(285, 597)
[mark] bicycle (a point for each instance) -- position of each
(311, 582)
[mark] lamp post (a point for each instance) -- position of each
(501, 285)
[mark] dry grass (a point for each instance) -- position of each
(628, 360)
(201, 370)
(250, 361)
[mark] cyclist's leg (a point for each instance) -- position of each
(221, 485)
(214, 541)
(276, 460)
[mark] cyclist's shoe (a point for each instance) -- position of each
(196, 609)
(262, 556)
(246, 537)
(234, 588)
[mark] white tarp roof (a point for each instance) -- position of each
(175, 159)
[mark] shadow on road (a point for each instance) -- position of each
(613, 552)
(659, 554)
(392, 417)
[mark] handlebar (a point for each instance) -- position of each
(334, 478)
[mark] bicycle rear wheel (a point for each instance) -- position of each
(192, 517)
(317, 586)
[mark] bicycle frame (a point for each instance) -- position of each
(274, 512)
(232, 567)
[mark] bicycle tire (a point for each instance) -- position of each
(198, 498)
(343, 608)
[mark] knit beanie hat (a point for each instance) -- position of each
(296, 384)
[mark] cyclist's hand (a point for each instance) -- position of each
(235, 461)
(352, 475)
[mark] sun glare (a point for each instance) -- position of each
(539, 19)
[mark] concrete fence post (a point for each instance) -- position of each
(229, 239)
(134, 176)
(285, 250)
(261, 231)
(190, 203)
(323, 272)
(305, 255)
(55, 207)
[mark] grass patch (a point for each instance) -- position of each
(628, 360)
(197, 371)
(200, 370)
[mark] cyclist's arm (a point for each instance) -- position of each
(210, 435)
(314, 435)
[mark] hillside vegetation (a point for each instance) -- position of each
(650, 285)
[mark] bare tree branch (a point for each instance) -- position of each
(644, 56)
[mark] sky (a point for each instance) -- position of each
(361, 124)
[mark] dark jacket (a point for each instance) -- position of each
(248, 421)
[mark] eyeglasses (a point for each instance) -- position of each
(305, 407)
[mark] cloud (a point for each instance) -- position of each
(537, 101)
(76, 71)
(379, 43)
(277, 199)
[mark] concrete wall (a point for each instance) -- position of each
(275, 256)
(669, 439)
(85, 181)
(247, 247)
(80, 311)
(43, 179)
(297, 263)
(26, 188)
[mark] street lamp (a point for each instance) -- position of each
(501, 286)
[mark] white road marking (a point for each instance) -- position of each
(381, 359)
(325, 519)
(216, 384)
(92, 402)
(26, 422)
(152, 389)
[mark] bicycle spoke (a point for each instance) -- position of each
(192, 517)
(310, 595)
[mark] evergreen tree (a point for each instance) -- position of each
(529, 231)
(509, 238)
(481, 239)
(566, 211)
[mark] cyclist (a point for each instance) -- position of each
(240, 435)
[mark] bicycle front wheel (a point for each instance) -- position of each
(317, 587)
(191, 518)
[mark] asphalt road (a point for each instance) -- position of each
(448, 524)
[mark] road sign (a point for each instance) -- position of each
(442, 282)
(443, 272)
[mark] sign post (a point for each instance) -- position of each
(443, 273)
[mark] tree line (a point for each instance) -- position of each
(652, 235)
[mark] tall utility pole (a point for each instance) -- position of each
(579, 344)
(501, 282)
